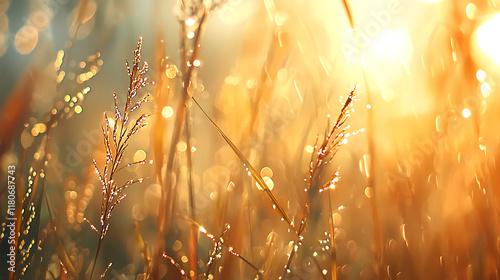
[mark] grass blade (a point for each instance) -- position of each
(348, 13)
(371, 148)
(255, 175)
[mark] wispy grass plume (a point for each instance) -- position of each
(116, 141)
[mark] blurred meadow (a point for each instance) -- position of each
(249, 139)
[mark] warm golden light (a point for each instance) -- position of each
(78, 109)
(139, 155)
(488, 39)
(181, 146)
(471, 10)
(466, 113)
(269, 182)
(485, 90)
(481, 75)
(167, 112)
(190, 21)
(387, 57)
(266, 172)
(309, 149)
(171, 71)
(242, 121)
(111, 122)
(26, 39)
(393, 45)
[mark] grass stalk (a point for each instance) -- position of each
(116, 142)
(251, 170)
(371, 178)
(167, 195)
(193, 235)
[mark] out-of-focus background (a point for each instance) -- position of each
(417, 196)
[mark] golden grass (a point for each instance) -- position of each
(116, 141)
(246, 185)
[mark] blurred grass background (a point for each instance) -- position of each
(270, 72)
